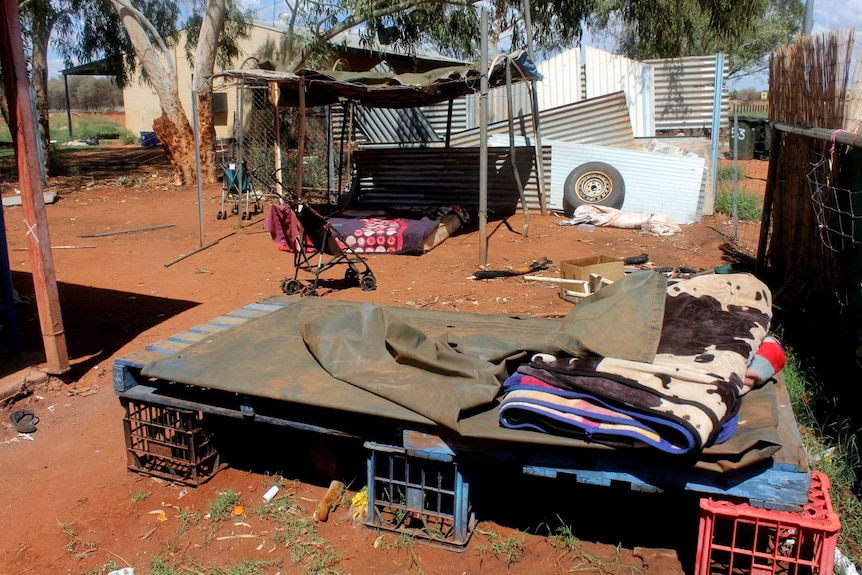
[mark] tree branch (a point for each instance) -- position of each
(382, 9)
(148, 26)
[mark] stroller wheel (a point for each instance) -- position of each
(291, 287)
(351, 275)
(368, 283)
(311, 293)
(221, 216)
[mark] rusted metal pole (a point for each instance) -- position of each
(512, 157)
(21, 124)
(483, 143)
(534, 104)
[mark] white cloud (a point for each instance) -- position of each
(836, 14)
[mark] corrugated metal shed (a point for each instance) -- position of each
(607, 73)
(603, 120)
(685, 92)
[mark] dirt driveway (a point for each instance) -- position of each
(69, 505)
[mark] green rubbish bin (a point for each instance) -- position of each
(753, 137)
(742, 136)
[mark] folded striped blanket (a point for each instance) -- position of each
(685, 399)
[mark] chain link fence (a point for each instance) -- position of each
(267, 138)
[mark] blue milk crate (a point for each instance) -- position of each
(149, 139)
(419, 490)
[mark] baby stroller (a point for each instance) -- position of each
(238, 189)
(319, 247)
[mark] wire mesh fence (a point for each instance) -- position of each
(269, 140)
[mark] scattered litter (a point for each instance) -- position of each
(537, 265)
(123, 571)
(160, 514)
(52, 407)
(24, 420)
(240, 536)
(18, 438)
(83, 391)
(329, 501)
(267, 497)
(843, 565)
(17, 200)
(359, 505)
(241, 524)
(129, 231)
(237, 510)
(146, 535)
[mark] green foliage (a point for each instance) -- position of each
(237, 26)
(128, 137)
(748, 206)
(745, 31)
(223, 504)
(139, 496)
(510, 550)
(564, 540)
(832, 448)
(84, 127)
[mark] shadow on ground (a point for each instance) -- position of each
(97, 323)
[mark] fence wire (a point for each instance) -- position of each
(837, 208)
(268, 140)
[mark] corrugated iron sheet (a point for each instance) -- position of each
(607, 73)
(666, 184)
(443, 176)
(603, 120)
(562, 81)
(394, 126)
(685, 92)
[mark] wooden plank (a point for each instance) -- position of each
(187, 337)
(208, 328)
(166, 347)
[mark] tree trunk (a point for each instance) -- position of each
(172, 128)
(205, 54)
(39, 76)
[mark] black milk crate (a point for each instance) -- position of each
(421, 492)
(168, 442)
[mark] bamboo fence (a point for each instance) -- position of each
(808, 87)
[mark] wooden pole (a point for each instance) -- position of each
(21, 124)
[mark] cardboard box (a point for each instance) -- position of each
(607, 267)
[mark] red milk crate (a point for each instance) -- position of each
(736, 538)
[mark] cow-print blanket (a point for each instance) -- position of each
(685, 399)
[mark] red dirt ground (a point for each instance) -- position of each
(70, 505)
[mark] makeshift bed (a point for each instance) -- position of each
(431, 387)
(397, 230)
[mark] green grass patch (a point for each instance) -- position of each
(832, 449)
(83, 128)
(748, 206)
(223, 504)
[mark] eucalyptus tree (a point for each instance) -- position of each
(452, 26)
(746, 31)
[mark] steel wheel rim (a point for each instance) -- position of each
(594, 187)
